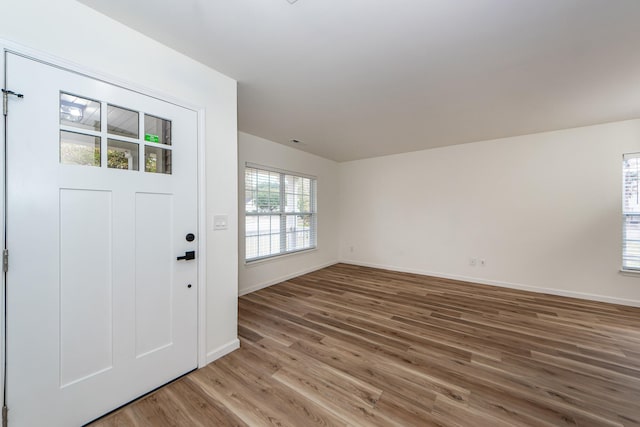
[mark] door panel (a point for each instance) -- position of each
(86, 312)
(101, 190)
(154, 259)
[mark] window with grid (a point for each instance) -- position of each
(280, 212)
(630, 212)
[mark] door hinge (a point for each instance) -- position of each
(5, 99)
(5, 260)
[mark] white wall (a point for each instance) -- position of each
(76, 33)
(543, 210)
(260, 151)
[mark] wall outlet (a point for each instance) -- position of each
(473, 261)
(482, 262)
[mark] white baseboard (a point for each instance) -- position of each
(222, 350)
(551, 291)
(283, 278)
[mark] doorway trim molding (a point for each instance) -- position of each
(55, 61)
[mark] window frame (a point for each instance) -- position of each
(627, 256)
(282, 213)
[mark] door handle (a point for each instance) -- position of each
(187, 256)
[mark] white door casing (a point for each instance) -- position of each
(99, 309)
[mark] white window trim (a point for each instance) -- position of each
(626, 270)
(313, 213)
(276, 170)
(258, 261)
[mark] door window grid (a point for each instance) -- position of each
(82, 113)
(157, 130)
(280, 212)
(122, 121)
(95, 133)
(122, 155)
(79, 149)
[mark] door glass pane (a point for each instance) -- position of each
(122, 155)
(157, 130)
(79, 112)
(157, 160)
(79, 149)
(121, 121)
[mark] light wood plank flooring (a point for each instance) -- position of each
(358, 346)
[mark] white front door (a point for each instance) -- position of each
(101, 199)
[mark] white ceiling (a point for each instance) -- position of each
(363, 78)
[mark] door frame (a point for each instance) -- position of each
(43, 57)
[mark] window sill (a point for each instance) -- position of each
(634, 273)
(278, 257)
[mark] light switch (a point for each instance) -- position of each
(220, 222)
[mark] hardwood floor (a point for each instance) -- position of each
(358, 346)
